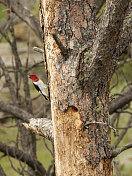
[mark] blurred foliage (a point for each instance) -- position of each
(35, 9)
(122, 75)
(3, 13)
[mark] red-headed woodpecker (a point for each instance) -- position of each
(40, 86)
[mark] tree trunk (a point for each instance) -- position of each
(79, 64)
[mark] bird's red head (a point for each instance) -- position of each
(33, 77)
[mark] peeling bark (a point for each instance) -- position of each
(42, 127)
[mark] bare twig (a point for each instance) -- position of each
(24, 157)
(38, 49)
(5, 36)
(2, 156)
(11, 163)
(121, 128)
(13, 45)
(122, 133)
(8, 80)
(18, 63)
(115, 116)
(26, 69)
(117, 169)
(102, 123)
(121, 63)
(34, 65)
(120, 150)
(5, 117)
(2, 173)
(24, 15)
(26, 84)
(47, 147)
(49, 169)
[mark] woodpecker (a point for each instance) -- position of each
(40, 86)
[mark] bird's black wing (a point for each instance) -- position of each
(37, 87)
(39, 90)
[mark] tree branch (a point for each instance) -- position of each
(24, 15)
(42, 127)
(5, 117)
(24, 157)
(121, 101)
(120, 150)
(124, 131)
(38, 50)
(15, 111)
(117, 171)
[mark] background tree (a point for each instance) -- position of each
(81, 48)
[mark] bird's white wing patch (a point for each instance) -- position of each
(43, 87)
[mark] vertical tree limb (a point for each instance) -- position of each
(9, 81)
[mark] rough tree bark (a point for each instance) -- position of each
(79, 54)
